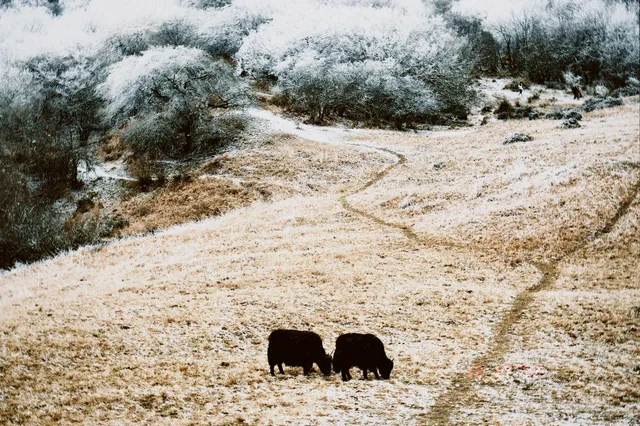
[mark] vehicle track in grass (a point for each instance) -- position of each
(461, 392)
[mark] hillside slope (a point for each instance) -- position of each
(501, 278)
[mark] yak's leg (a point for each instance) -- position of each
(375, 371)
(365, 374)
(271, 367)
(280, 368)
(345, 375)
(306, 369)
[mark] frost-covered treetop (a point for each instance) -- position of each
(339, 33)
(166, 75)
(130, 78)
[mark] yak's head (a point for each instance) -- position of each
(385, 368)
(325, 364)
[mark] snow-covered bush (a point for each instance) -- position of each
(601, 90)
(369, 90)
(365, 63)
(594, 39)
(224, 30)
(119, 45)
(54, 6)
(64, 90)
(204, 4)
(48, 109)
(174, 32)
(621, 53)
(164, 96)
(571, 79)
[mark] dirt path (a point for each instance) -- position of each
(461, 391)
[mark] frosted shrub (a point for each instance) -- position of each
(165, 95)
(594, 39)
(204, 4)
(601, 90)
(571, 79)
(117, 46)
(63, 87)
(224, 30)
(369, 90)
(621, 52)
(174, 32)
(376, 64)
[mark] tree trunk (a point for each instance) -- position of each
(509, 57)
(189, 129)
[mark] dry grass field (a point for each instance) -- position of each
(278, 167)
(503, 280)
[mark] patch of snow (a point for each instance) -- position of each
(330, 135)
(407, 201)
(111, 170)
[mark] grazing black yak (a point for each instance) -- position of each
(297, 349)
(577, 93)
(364, 351)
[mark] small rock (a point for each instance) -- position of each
(438, 166)
(571, 123)
(406, 201)
(517, 137)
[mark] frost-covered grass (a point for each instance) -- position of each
(172, 327)
(536, 197)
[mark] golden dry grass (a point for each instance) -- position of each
(277, 167)
(536, 199)
(585, 334)
(185, 202)
(171, 328)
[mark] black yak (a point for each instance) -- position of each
(297, 349)
(577, 93)
(364, 351)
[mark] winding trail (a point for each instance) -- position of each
(461, 392)
(172, 326)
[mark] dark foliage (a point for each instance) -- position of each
(601, 103)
